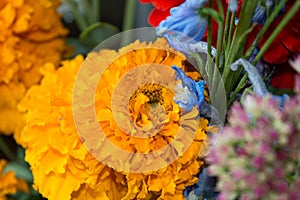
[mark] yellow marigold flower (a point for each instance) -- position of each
(62, 166)
(9, 184)
(31, 34)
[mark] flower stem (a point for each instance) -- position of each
(238, 43)
(277, 30)
(220, 33)
(220, 8)
(80, 20)
(95, 6)
(219, 19)
(209, 31)
(264, 29)
(209, 41)
(87, 11)
(219, 44)
(92, 11)
(129, 14)
(229, 40)
(225, 37)
(128, 21)
(6, 150)
(238, 89)
(219, 56)
(231, 28)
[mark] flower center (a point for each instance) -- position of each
(153, 91)
(148, 107)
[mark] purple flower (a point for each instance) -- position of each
(245, 197)
(240, 151)
(251, 179)
(263, 155)
(259, 191)
(273, 135)
(281, 186)
(258, 162)
(264, 148)
(238, 174)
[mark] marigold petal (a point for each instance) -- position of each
(21, 54)
(89, 194)
(7, 15)
(58, 186)
(22, 23)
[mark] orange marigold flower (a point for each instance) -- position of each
(62, 166)
(31, 34)
(9, 184)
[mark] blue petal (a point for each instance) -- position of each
(260, 15)
(281, 99)
(186, 81)
(199, 89)
(186, 20)
(259, 86)
(187, 45)
(232, 5)
(195, 4)
(195, 92)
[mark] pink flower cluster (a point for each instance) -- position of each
(258, 153)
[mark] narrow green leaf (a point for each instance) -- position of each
(96, 33)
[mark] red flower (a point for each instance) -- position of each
(161, 9)
(285, 45)
(283, 77)
(287, 42)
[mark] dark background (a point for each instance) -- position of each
(112, 11)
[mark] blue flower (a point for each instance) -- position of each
(185, 19)
(189, 93)
(232, 5)
(260, 13)
(259, 86)
(187, 45)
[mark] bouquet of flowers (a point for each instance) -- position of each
(142, 114)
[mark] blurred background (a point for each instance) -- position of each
(115, 16)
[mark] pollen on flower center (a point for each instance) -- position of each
(152, 90)
(149, 106)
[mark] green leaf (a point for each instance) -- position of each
(78, 47)
(20, 170)
(213, 13)
(33, 195)
(280, 91)
(96, 33)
